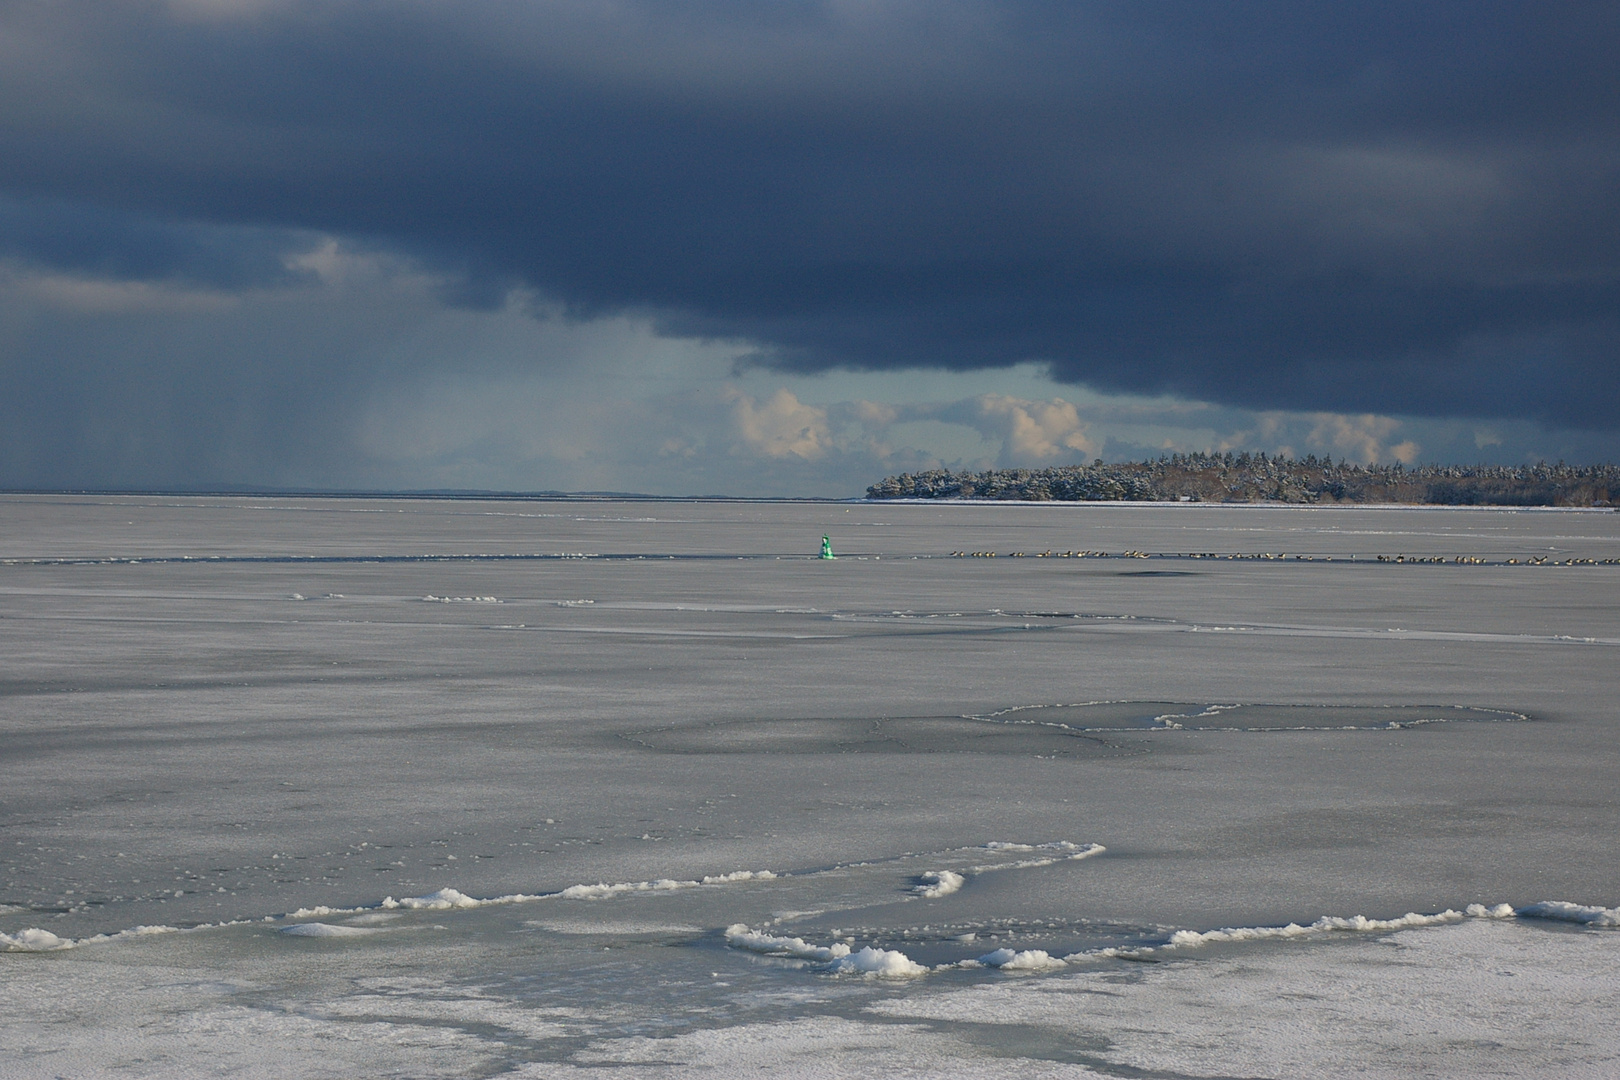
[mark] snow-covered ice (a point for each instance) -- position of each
(686, 799)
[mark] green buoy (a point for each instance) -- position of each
(826, 548)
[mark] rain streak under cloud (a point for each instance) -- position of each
(702, 248)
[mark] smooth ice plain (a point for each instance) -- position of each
(327, 787)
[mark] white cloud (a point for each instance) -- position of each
(1035, 430)
(781, 427)
(1361, 438)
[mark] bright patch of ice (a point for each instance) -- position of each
(1564, 911)
(938, 883)
(884, 963)
(1027, 960)
(742, 937)
(1477, 998)
(443, 900)
(326, 930)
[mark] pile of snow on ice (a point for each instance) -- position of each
(938, 883)
(443, 900)
(325, 930)
(34, 940)
(885, 963)
(1027, 960)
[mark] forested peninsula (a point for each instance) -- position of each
(1257, 478)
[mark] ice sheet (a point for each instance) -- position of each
(676, 721)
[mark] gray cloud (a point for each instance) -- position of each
(1379, 207)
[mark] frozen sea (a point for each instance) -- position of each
(450, 788)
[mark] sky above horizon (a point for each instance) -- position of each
(712, 247)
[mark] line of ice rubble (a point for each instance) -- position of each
(938, 884)
(934, 884)
(1183, 939)
(36, 940)
(839, 959)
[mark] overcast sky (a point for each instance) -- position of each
(787, 248)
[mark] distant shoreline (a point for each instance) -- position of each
(1228, 479)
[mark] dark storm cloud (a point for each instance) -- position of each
(1393, 207)
(99, 241)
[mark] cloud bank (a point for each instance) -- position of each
(1369, 210)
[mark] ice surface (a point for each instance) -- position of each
(685, 795)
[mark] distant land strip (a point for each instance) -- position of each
(1266, 556)
(1256, 478)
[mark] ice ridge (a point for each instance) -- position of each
(1564, 911)
(836, 958)
(1026, 960)
(36, 940)
(1329, 923)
